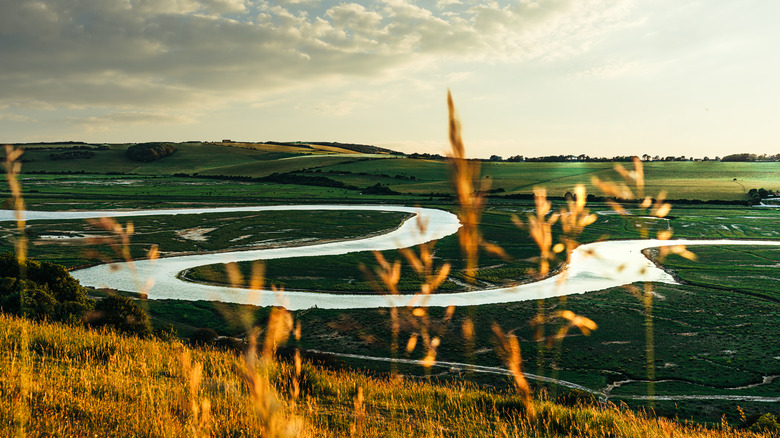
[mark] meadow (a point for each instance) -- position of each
(703, 343)
(73, 380)
(410, 178)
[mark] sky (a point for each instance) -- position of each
(532, 78)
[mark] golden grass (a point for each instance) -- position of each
(83, 382)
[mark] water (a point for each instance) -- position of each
(593, 267)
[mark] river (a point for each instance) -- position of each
(593, 266)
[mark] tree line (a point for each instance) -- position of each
(148, 152)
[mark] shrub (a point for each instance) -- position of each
(148, 152)
(121, 314)
(766, 424)
(40, 290)
(203, 336)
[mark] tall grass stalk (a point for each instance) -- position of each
(20, 368)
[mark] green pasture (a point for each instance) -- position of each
(55, 192)
(189, 158)
(703, 342)
(261, 168)
(681, 180)
(709, 180)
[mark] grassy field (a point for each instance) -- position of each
(682, 180)
(710, 180)
(58, 192)
(66, 380)
(204, 158)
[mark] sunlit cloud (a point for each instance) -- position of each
(175, 53)
(110, 120)
(610, 70)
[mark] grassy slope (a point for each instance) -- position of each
(62, 381)
(682, 180)
(206, 158)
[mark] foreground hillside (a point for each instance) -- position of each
(61, 380)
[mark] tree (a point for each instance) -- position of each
(148, 152)
(754, 197)
(743, 157)
(121, 314)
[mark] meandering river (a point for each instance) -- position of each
(594, 266)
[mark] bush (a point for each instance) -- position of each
(166, 333)
(121, 314)
(40, 290)
(766, 424)
(71, 155)
(148, 152)
(203, 336)
(744, 157)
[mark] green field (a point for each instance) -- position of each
(714, 332)
(681, 180)
(711, 180)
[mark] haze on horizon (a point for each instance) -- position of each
(599, 77)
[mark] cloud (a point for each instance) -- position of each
(610, 70)
(164, 54)
(16, 118)
(442, 4)
(107, 121)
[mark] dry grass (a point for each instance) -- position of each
(104, 384)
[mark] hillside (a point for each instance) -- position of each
(377, 171)
(62, 380)
(228, 158)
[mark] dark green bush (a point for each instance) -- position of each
(40, 290)
(148, 152)
(121, 314)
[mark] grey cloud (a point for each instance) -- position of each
(127, 118)
(171, 53)
(16, 118)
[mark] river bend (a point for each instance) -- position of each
(594, 266)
